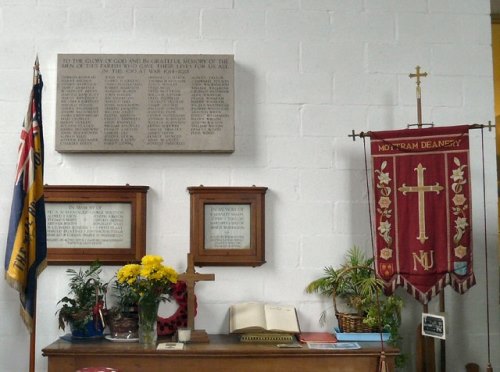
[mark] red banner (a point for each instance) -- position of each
(423, 209)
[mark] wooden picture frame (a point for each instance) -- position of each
(89, 223)
(228, 225)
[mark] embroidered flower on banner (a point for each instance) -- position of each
(460, 204)
(384, 212)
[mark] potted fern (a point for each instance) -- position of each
(357, 285)
(82, 309)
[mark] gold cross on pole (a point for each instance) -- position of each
(419, 74)
(421, 189)
(191, 277)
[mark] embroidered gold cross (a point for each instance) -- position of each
(421, 188)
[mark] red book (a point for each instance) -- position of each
(317, 337)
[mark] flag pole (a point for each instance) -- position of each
(36, 80)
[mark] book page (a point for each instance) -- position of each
(281, 318)
(246, 316)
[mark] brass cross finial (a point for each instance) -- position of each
(418, 74)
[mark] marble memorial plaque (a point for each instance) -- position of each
(227, 226)
(145, 103)
(88, 225)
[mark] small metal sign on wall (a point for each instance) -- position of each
(145, 103)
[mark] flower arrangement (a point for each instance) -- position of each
(149, 281)
(147, 284)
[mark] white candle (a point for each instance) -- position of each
(183, 334)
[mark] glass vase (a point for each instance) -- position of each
(148, 316)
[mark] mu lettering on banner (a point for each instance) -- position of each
(423, 209)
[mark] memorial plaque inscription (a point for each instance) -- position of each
(145, 103)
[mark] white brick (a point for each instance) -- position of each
(47, 21)
(327, 120)
(16, 87)
(304, 219)
(333, 57)
(19, 2)
(289, 293)
(365, 89)
(167, 23)
(331, 185)
(380, 58)
(453, 60)
(402, 6)
(265, 4)
(380, 118)
(460, 6)
(199, 46)
(283, 250)
(330, 250)
(298, 25)
(348, 153)
(14, 53)
(104, 22)
(478, 93)
(268, 120)
(436, 91)
(170, 4)
(447, 116)
(47, 50)
(175, 184)
(299, 152)
(282, 185)
(364, 27)
(250, 87)
(475, 30)
(266, 56)
(429, 28)
(133, 46)
(68, 3)
(337, 6)
(250, 152)
(233, 24)
(299, 88)
(351, 217)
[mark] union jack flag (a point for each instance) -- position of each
(26, 252)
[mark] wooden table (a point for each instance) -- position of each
(224, 353)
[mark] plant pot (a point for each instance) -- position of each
(92, 329)
(124, 326)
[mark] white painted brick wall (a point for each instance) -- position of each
(307, 72)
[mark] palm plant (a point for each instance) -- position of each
(87, 296)
(355, 282)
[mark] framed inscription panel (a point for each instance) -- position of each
(228, 225)
(145, 103)
(88, 223)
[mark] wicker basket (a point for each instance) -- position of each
(352, 323)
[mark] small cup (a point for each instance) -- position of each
(183, 335)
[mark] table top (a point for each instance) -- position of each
(219, 345)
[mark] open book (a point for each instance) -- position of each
(254, 317)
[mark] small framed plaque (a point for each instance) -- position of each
(88, 223)
(228, 225)
(433, 326)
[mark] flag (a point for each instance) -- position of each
(26, 252)
(422, 196)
